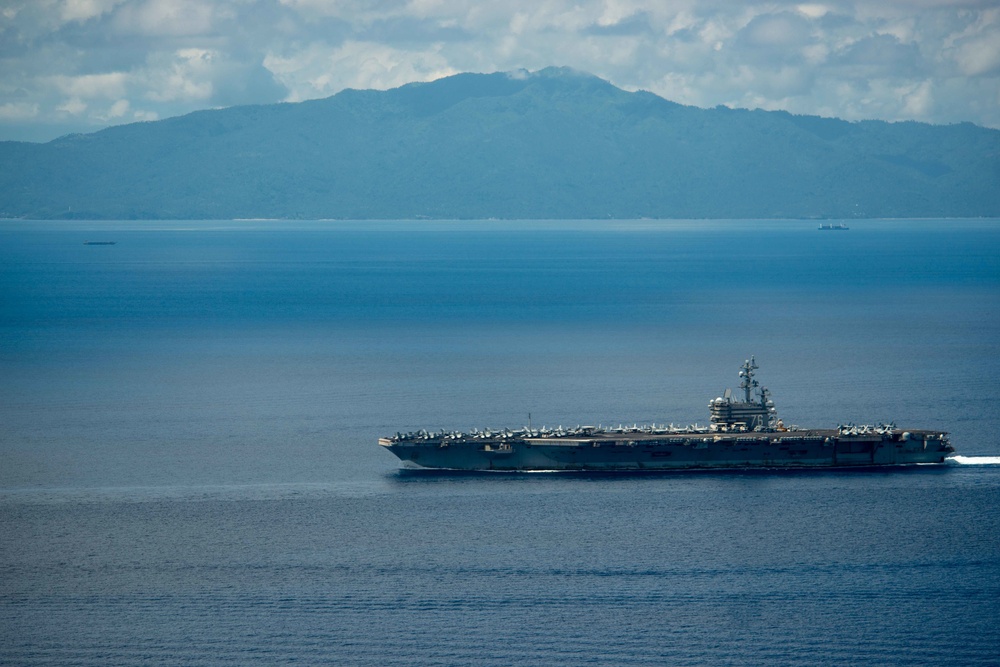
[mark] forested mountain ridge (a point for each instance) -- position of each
(551, 144)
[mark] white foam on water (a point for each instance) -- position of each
(976, 460)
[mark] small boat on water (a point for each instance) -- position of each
(834, 226)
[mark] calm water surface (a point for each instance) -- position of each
(189, 475)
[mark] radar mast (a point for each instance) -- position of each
(748, 384)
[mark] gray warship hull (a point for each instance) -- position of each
(603, 451)
(742, 434)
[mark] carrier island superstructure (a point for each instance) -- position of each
(743, 432)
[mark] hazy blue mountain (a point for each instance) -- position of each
(552, 144)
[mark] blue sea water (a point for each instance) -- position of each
(189, 474)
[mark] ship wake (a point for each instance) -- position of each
(975, 460)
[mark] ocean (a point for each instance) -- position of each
(189, 472)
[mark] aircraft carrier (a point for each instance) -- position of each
(741, 434)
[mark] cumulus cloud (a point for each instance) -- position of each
(73, 106)
(104, 61)
(166, 18)
(320, 70)
(184, 75)
(18, 111)
(83, 10)
(119, 109)
(780, 36)
(111, 84)
(978, 56)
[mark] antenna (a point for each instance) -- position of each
(746, 372)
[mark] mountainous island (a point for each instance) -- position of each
(555, 143)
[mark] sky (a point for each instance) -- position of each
(81, 65)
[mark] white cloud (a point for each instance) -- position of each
(18, 111)
(83, 10)
(979, 56)
(319, 71)
(918, 100)
(110, 85)
(813, 11)
(185, 75)
(166, 18)
(776, 31)
(936, 60)
(73, 106)
(118, 109)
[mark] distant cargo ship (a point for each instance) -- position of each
(741, 434)
(837, 226)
